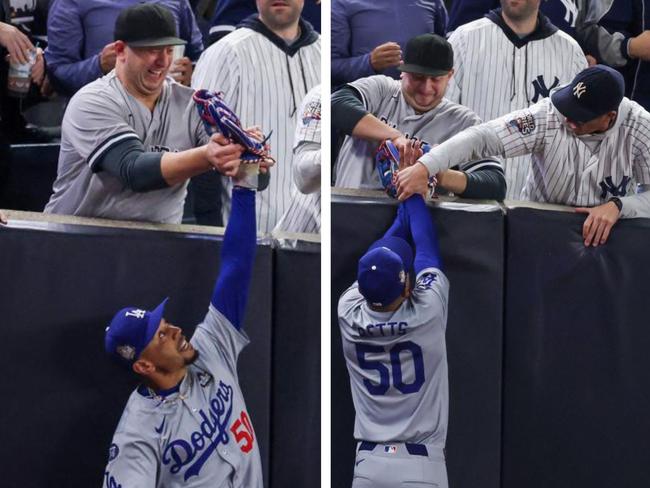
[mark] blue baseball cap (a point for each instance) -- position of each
(130, 332)
(592, 93)
(382, 270)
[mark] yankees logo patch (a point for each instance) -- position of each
(540, 87)
(608, 186)
(524, 124)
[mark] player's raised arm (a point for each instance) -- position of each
(427, 252)
(237, 255)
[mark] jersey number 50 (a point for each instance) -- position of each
(379, 365)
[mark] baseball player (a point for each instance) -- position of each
(264, 69)
(304, 211)
(507, 61)
(588, 144)
(407, 111)
(187, 425)
(394, 346)
(129, 140)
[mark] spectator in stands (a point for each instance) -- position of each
(131, 139)
(508, 60)
(368, 35)
(562, 13)
(373, 109)
(80, 47)
(304, 211)
(264, 69)
(18, 46)
(588, 145)
(230, 13)
(617, 34)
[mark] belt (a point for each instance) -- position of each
(411, 448)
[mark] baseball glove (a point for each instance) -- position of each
(217, 116)
(387, 163)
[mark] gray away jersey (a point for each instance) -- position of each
(493, 77)
(198, 437)
(263, 86)
(103, 114)
(382, 97)
(397, 363)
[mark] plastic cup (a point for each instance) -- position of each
(20, 77)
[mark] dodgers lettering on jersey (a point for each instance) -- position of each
(578, 171)
(494, 77)
(397, 363)
(382, 96)
(198, 437)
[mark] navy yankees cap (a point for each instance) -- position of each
(592, 93)
(382, 270)
(146, 25)
(130, 331)
(428, 54)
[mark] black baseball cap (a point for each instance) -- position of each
(146, 25)
(593, 92)
(428, 54)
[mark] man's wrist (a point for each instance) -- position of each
(616, 201)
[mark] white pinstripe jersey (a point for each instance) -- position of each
(304, 211)
(103, 114)
(263, 85)
(578, 170)
(494, 77)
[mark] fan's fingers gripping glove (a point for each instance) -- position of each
(217, 117)
(387, 161)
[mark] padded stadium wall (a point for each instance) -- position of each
(547, 344)
(61, 284)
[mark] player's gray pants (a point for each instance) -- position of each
(392, 465)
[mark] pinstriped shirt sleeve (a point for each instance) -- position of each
(522, 132)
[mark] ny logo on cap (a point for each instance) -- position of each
(579, 89)
(138, 314)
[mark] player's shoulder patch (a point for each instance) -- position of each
(113, 452)
(311, 112)
(426, 281)
(524, 123)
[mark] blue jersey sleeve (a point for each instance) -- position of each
(237, 255)
(423, 231)
(401, 226)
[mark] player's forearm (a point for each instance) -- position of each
(370, 128)
(637, 205)
(231, 290)
(401, 226)
(177, 167)
(477, 142)
(453, 181)
(427, 253)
